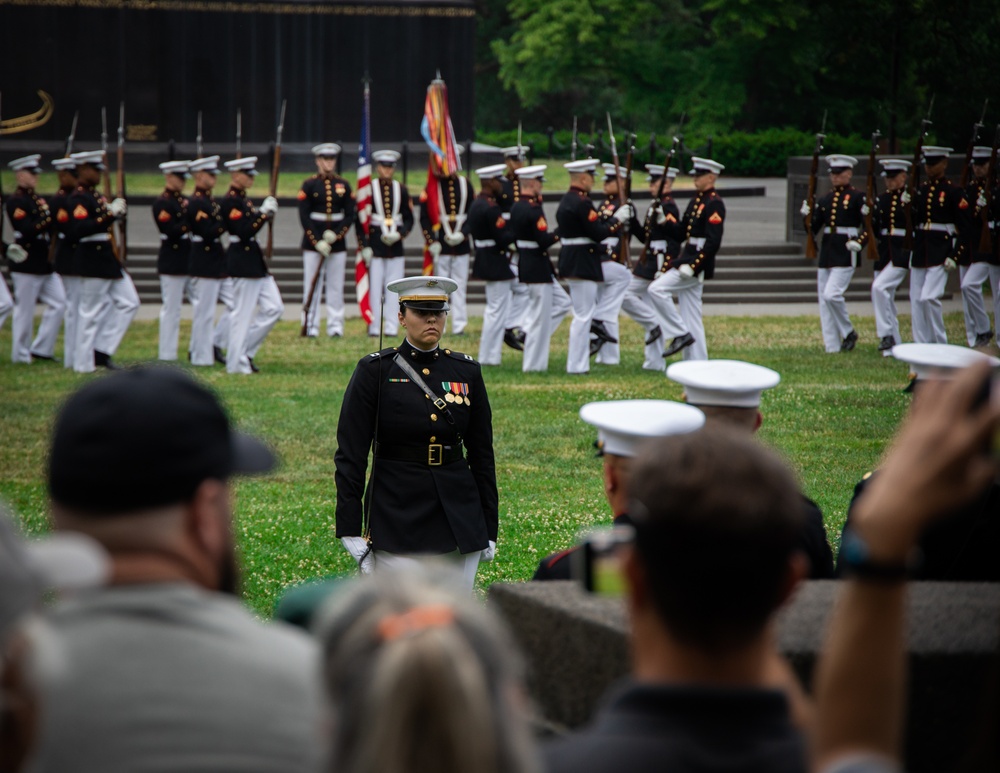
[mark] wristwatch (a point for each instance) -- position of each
(856, 558)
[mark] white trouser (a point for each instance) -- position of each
(609, 305)
(583, 297)
(172, 289)
(835, 322)
(466, 564)
(106, 309)
(227, 297)
(455, 267)
(331, 284)
(639, 308)
(926, 289)
(547, 305)
(381, 271)
(204, 293)
(71, 284)
(498, 301)
(977, 320)
(685, 317)
(30, 289)
(6, 302)
(518, 314)
(257, 308)
(884, 288)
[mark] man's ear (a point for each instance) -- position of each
(757, 422)
(796, 572)
(209, 516)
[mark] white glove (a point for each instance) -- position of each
(329, 236)
(687, 270)
(16, 253)
(805, 209)
(854, 245)
(981, 200)
(269, 207)
(366, 254)
(357, 547)
(865, 209)
(905, 197)
(949, 264)
(489, 552)
(117, 207)
(623, 214)
(434, 248)
(661, 217)
(390, 238)
(323, 248)
(453, 240)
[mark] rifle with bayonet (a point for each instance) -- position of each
(914, 178)
(971, 148)
(657, 202)
(987, 244)
(120, 173)
(572, 143)
(68, 150)
(239, 132)
(872, 252)
(106, 181)
(199, 148)
(627, 235)
(275, 169)
(623, 237)
(811, 251)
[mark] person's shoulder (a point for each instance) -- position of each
(374, 358)
(461, 357)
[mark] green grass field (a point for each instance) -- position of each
(831, 417)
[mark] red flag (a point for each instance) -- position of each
(437, 131)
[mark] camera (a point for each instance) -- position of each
(597, 564)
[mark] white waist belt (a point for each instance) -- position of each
(611, 241)
(659, 244)
(238, 239)
(96, 238)
(698, 243)
(893, 232)
(946, 228)
(577, 241)
(163, 237)
(843, 231)
(483, 243)
(526, 245)
(322, 217)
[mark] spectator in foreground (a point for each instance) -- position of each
(421, 679)
(861, 677)
(716, 517)
(164, 669)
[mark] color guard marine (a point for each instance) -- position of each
(62, 252)
(174, 258)
(30, 268)
(889, 223)
(326, 213)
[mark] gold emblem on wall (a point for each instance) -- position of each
(31, 121)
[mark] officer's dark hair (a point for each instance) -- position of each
(716, 517)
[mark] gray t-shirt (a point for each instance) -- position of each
(169, 677)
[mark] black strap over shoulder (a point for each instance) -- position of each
(439, 402)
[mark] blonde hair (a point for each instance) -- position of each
(421, 680)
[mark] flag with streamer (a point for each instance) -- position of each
(363, 197)
(443, 160)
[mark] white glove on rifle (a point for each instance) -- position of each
(357, 547)
(390, 238)
(905, 197)
(118, 207)
(269, 207)
(453, 240)
(16, 253)
(805, 209)
(981, 200)
(489, 552)
(366, 254)
(687, 270)
(323, 248)
(661, 217)
(865, 209)
(623, 214)
(329, 236)
(854, 245)
(434, 248)
(950, 264)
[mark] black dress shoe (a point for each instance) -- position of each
(595, 346)
(102, 360)
(597, 328)
(849, 340)
(219, 356)
(53, 359)
(521, 335)
(510, 338)
(681, 342)
(886, 342)
(982, 339)
(253, 368)
(654, 335)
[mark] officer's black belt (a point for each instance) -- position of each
(433, 455)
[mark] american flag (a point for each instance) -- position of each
(363, 196)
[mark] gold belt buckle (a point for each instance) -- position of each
(435, 454)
